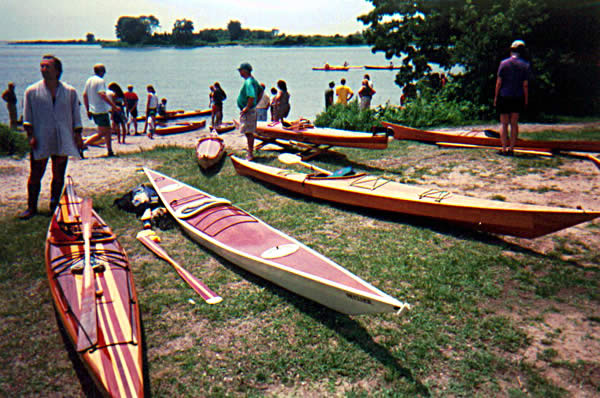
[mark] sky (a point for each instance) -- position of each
(73, 19)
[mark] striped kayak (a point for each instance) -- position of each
(114, 360)
(209, 150)
(476, 137)
(360, 189)
(183, 127)
(322, 136)
(267, 252)
(179, 114)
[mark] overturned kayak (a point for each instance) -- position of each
(183, 127)
(267, 252)
(488, 138)
(360, 189)
(102, 322)
(209, 150)
(322, 136)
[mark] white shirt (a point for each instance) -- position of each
(152, 101)
(53, 122)
(93, 87)
(264, 102)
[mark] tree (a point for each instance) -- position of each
(235, 30)
(90, 38)
(562, 37)
(136, 30)
(183, 31)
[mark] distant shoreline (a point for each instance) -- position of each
(119, 44)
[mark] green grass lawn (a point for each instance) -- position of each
(263, 340)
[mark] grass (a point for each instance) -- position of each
(263, 340)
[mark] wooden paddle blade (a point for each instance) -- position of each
(87, 335)
(289, 158)
(199, 287)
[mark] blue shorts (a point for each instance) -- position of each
(101, 119)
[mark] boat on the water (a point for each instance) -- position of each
(373, 192)
(182, 127)
(382, 67)
(267, 252)
(209, 150)
(487, 138)
(332, 68)
(322, 136)
(102, 321)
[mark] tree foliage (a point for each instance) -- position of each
(562, 37)
(235, 30)
(183, 31)
(136, 30)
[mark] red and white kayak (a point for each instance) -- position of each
(263, 250)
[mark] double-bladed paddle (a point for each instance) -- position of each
(87, 335)
(148, 239)
(289, 158)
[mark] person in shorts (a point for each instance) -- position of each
(131, 103)
(250, 95)
(98, 105)
(512, 94)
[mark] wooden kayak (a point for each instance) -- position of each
(114, 360)
(209, 150)
(384, 67)
(183, 127)
(481, 138)
(332, 68)
(259, 248)
(360, 189)
(179, 115)
(224, 127)
(322, 136)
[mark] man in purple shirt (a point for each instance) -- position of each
(512, 94)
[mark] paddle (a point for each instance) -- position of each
(150, 240)
(584, 155)
(87, 335)
(540, 152)
(289, 158)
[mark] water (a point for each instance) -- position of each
(184, 75)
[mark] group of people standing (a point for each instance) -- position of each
(345, 94)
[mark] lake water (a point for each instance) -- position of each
(184, 75)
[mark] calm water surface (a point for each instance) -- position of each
(184, 75)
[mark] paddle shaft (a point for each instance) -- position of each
(540, 152)
(289, 158)
(87, 335)
(199, 287)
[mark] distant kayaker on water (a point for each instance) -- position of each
(512, 94)
(52, 121)
(344, 93)
(250, 95)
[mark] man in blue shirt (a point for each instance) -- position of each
(250, 94)
(512, 94)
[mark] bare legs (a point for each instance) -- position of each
(505, 139)
(36, 173)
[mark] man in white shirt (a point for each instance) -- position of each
(52, 120)
(98, 104)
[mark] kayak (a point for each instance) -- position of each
(332, 68)
(179, 115)
(373, 192)
(267, 252)
(488, 138)
(384, 67)
(109, 340)
(322, 136)
(183, 127)
(224, 127)
(209, 150)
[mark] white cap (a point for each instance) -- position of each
(517, 44)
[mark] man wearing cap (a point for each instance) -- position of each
(512, 94)
(250, 94)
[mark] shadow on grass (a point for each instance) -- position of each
(340, 323)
